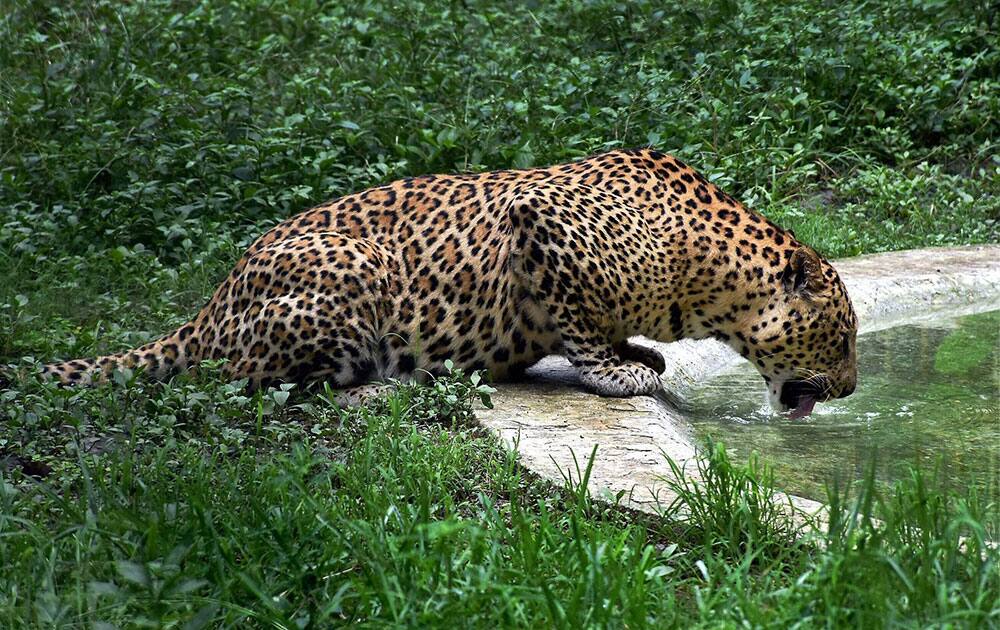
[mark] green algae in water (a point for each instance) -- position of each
(928, 396)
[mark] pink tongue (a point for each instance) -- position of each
(805, 408)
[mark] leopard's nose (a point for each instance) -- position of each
(848, 389)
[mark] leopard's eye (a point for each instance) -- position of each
(845, 345)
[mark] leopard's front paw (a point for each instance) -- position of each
(628, 379)
(641, 354)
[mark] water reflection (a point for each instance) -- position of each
(927, 395)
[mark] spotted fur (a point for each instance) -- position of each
(497, 270)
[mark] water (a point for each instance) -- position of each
(928, 395)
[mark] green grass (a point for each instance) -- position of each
(308, 517)
(144, 145)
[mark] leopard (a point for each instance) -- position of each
(494, 271)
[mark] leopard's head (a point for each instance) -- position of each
(803, 339)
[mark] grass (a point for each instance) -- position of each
(144, 145)
(389, 516)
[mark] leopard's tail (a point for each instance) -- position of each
(158, 359)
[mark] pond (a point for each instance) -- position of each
(928, 395)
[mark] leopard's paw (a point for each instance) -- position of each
(641, 354)
(360, 395)
(627, 379)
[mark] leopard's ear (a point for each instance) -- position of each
(804, 272)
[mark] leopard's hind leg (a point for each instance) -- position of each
(302, 309)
